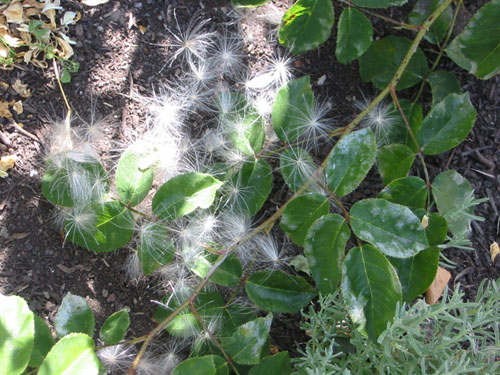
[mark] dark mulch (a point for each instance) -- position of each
(117, 59)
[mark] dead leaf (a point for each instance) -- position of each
(142, 29)
(4, 110)
(436, 289)
(94, 3)
(6, 163)
(67, 51)
(4, 85)
(68, 18)
(494, 251)
(10, 40)
(19, 236)
(4, 52)
(21, 88)
(18, 107)
(14, 13)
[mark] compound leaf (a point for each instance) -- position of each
(354, 35)
(422, 10)
(115, 327)
(394, 161)
(442, 84)
(408, 191)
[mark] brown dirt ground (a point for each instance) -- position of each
(117, 59)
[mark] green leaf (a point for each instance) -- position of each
(300, 213)
(155, 248)
(407, 191)
(354, 35)
(350, 161)
(278, 364)
(399, 132)
(394, 161)
(453, 195)
(65, 76)
(132, 182)
(196, 366)
(17, 333)
(477, 48)
(106, 227)
(416, 273)
(379, 3)
(292, 101)
(185, 193)
(243, 124)
(299, 263)
(381, 61)
(249, 187)
(447, 124)
(221, 366)
(437, 229)
(422, 10)
(306, 24)
(442, 84)
(228, 274)
(248, 3)
(74, 316)
(324, 248)
(73, 354)
(392, 228)
(371, 289)
(235, 315)
(115, 327)
(298, 167)
(42, 344)
(68, 179)
(246, 344)
(276, 291)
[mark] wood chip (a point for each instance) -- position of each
(18, 236)
(435, 291)
(65, 269)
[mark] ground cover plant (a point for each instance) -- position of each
(199, 225)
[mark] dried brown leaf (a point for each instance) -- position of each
(14, 13)
(18, 107)
(6, 163)
(436, 289)
(4, 110)
(21, 88)
(494, 251)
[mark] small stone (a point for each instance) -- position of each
(46, 295)
(138, 5)
(105, 293)
(4, 232)
(111, 298)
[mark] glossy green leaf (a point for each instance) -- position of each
(354, 35)
(292, 101)
(74, 316)
(233, 316)
(278, 364)
(379, 3)
(380, 62)
(407, 191)
(371, 289)
(132, 182)
(196, 366)
(477, 48)
(300, 213)
(390, 227)
(42, 344)
(115, 327)
(442, 84)
(276, 291)
(299, 263)
(452, 193)
(399, 132)
(447, 124)
(228, 274)
(74, 178)
(394, 161)
(297, 167)
(155, 248)
(104, 227)
(416, 273)
(437, 229)
(73, 354)
(185, 193)
(350, 161)
(324, 248)
(221, 366)
(17, 334)
(306, 24)
(243, 125)
(422, 10)
(248, 3)
(245, 345)
(249, 187)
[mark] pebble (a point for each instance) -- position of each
(105, 293)
(138, 5)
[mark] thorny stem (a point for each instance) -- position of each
(414, 139)
(243, 280)
(274, 217)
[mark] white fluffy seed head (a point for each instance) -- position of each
(381, 119)
(117, 358)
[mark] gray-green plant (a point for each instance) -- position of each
(191, 209)
(452, 336)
